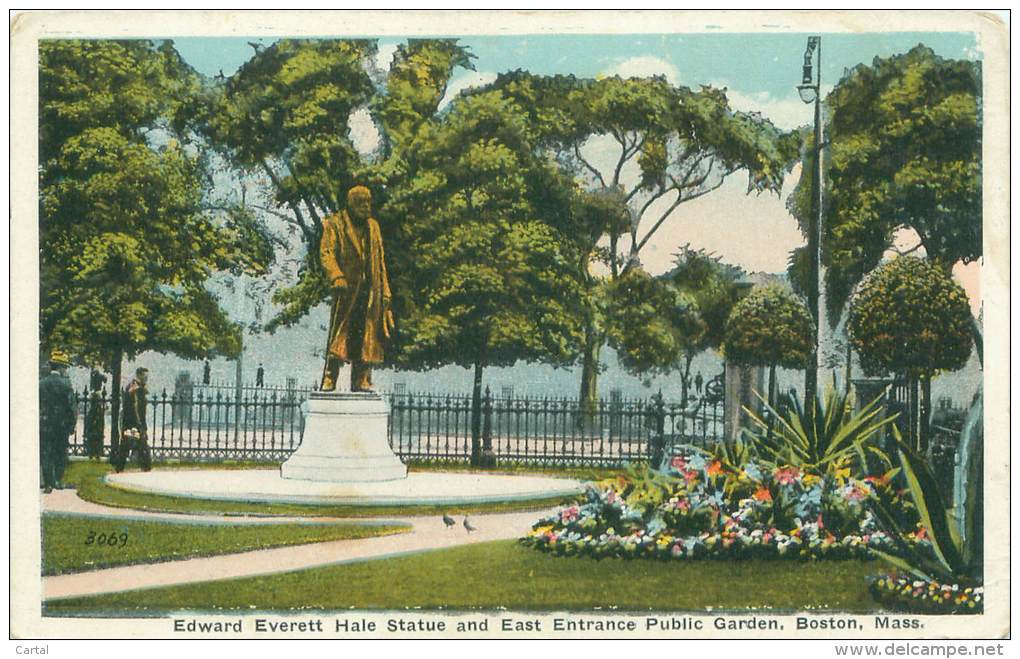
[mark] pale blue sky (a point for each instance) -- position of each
(750, 63)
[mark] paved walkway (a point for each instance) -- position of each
(426, 534)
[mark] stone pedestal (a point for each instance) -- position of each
(345, 441)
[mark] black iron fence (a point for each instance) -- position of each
(210, 423)
(548, 430)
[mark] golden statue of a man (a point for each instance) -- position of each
(361, 321)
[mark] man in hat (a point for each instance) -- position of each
(57, 415)
(351, 253)
(134, 431)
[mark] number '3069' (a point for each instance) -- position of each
(107, 539)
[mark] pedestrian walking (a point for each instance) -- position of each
(57, 415)
(260, 376)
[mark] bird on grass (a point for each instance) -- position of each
(467, 525)
(449, 521)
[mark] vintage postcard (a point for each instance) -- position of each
(498, 324)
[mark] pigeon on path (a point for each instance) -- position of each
(467, 525)
(449, 521)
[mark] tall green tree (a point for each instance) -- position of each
(663, 323)
(487, 278)
(669, 145)
(286, 114)
(910, 318)
(128, 234)
(770, 327)
(904, 152)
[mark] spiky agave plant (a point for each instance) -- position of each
(949, 555)
(833, 436)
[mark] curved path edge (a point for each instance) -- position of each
(426, 534)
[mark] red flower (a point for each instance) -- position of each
(762, 494)
(715, 468)
(786, 475)
(678, 463)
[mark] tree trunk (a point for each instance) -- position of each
(116, 365)
(476, 416)
(772, 386)
(590, 376)
(924, 416)
(849, 368)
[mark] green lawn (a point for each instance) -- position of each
(505, 574)
(87, 478)
(74, 543)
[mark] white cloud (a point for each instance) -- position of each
(466, 81)
(786, 113)
(645, 67)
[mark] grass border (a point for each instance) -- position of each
(157, 554)
(536, 584)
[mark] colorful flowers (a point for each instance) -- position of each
(922, 596)
(786, 475)
(698, 508)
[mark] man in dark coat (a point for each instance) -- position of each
(95, 417)
(57, 415)
(134, 431)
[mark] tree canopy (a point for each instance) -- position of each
(770, 326)
(661, 323)
(910, 317)
(904, 151)
(127, 234)
(483, 276)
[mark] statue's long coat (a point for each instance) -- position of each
(347, 258)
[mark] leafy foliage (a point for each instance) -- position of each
(658, 323)
(287, 114)
(909, 316)
(649, 322)
(904, 136)
(416, 84)
(949, 556)
(482, 274)
(831, 439)
(770, 326)
(127, 233)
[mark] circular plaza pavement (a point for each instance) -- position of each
(419, 488)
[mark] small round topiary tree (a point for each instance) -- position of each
(771, 327)
(910, 318)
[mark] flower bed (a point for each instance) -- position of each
(701, 508)
(923, 596)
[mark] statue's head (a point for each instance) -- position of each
(359, 202)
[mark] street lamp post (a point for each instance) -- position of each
(810, 92)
